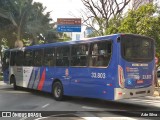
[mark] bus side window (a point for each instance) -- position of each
(49, 56)
(62, 56)
(28, 58)
(38, 57)
(79, 55)
(100, 61)
(100, 53)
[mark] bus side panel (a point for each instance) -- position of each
(63, 74)
(84, 84)
(18, 72)
(37, 79)
(95, 82)
(49, 77)
(49, 74)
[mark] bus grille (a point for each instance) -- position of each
(140, 92)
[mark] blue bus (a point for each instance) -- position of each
(107, 67)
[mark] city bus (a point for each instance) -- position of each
(108, 67)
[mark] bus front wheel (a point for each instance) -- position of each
(14, 82)
(57, 91)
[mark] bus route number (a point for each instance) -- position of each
(98, 75)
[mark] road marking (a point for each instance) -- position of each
(45, 105)
(91, 118)
(119, 118)
(148, 102)
(86, 114)
(23, 118)
(90, 108)
(152, 97)
(57, 115)
(41, 118)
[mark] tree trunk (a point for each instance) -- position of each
(18, 42)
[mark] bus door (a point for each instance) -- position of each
(100, 69)
(89, 68)
(5, 66)
(79, 72)
(16, 68)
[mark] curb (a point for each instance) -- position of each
(2, 83)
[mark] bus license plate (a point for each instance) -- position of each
(139, 81)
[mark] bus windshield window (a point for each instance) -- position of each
(137, 48)
(5, 60)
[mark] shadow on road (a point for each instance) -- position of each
(97, 103)
(93, 103)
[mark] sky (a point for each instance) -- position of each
(62, 8)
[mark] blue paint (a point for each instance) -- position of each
(69, 28)
(79, 81)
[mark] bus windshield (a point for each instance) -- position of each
(137, 48)
(5, 60)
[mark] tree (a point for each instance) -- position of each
(100, 12)
(7, 15)
(29, 18)
(54, 36)
(143, 21)
(38, 22)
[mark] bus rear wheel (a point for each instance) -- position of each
(57, 91)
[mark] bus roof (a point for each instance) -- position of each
(85, 40)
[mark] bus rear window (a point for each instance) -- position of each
(137, 48)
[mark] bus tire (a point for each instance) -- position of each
(57, 91)
(14, 83)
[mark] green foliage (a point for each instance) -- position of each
(114, 24)
(41, 41)
(1, 77)
(143, 21)
(30, 20)
(26, 42)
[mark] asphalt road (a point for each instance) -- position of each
(73, 107)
